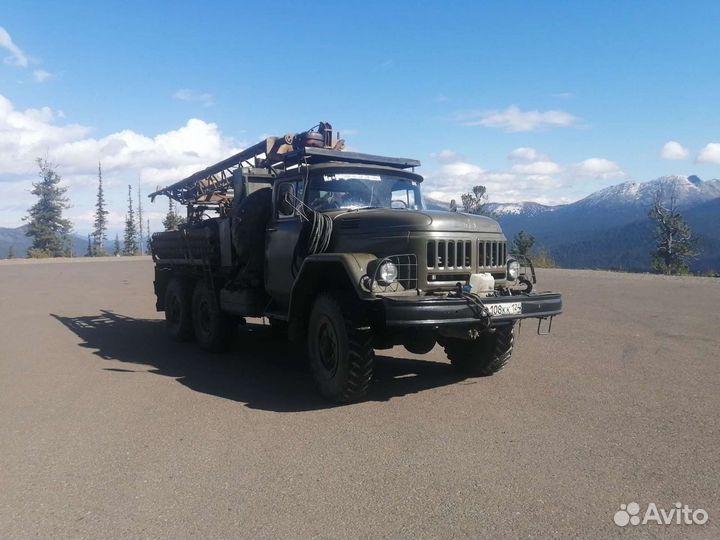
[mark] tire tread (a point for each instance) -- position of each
(474, 358)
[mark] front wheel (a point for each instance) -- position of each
(341, 355)
(487, 354)
(213, 329)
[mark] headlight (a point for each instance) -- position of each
(387, 273)
(513, 269)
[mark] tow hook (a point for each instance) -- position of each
(544, 330)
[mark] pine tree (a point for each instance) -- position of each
(130, 247)
(91, 248)
(523, 243)
(49, 230)
(116, 251)
(100, 231)
(11, 252)
(675, 245)
(475, 202)
(172, 220)
(141, 243)
(148, 245)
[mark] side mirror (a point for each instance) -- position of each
(286, 200)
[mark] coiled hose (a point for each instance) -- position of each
(314, 237)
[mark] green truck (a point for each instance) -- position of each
(337, 250)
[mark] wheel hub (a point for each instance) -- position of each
(328, 346)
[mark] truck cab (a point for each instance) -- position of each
(339, 252)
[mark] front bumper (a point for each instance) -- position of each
(434, 312)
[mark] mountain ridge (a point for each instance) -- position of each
(20, 242)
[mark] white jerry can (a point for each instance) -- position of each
(482, 284)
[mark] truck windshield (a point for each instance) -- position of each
(351, 190)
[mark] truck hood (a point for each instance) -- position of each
(383, 219)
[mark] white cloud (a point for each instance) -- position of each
(447, 156)
(525, 154)
(454, 179)
(462, 169)
(674, 150)
(204, 98)
(531, 177)
(599, 168)
(25, 135)
(513, 119)
(17, 56)
(710, 153)
(40, 75)
(126, 156)
(537, 168)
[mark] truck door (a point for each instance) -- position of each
(281, 238)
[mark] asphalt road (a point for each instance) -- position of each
(107, 429)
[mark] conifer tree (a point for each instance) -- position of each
(100, 231)
(11, 252)
(148, 245)
(49, 230)
(523, 243)
(116, 251)
(172, 220)
(675, 245)
(476, 202)
(130, 244)
(141, 241)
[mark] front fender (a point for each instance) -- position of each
(336, 271)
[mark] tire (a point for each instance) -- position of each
(419, 342)
(484, 356)
(178, 310)
(213, 329)
(341, 356)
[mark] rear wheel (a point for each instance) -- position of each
(341, 355)
(213, 329)
(487, 354)
(178, 309)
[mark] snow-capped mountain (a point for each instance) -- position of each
(690, 190)
(611, 229)
(527, 208)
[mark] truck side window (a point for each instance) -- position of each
(286, 200)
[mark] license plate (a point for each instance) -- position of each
(508, 308)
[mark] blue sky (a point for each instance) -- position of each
(545, 101)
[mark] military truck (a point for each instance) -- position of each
(337, 250)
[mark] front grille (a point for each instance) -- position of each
(491, 254)
(481, 255)
(449, 254)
